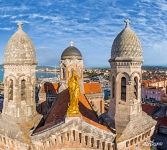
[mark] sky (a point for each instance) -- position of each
(91, 24)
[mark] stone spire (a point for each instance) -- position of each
(20, 49)
(127, 23)
(126, 45)
(19, 77)
(20, 25)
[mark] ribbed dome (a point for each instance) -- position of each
(19, 49)
(71, 52)
(126, 45)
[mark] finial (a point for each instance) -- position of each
(20, 25)
(71, 43)
(127, 23)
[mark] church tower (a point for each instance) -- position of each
(125, 113)
(19, 77)
(126, 60)
(71, 59)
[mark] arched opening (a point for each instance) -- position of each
(123, 88)
(86, 140)
(109, 146)
(103, 145)
(113, 87)
(136, 87)
(92, 142)
(80, 137)
(139, 138)
(74, 135)
(61, 139)
(131, 142)
(68, 136)
(64, 73)
(23, 90)
(10, 90)
(127, 143)
(98, 143)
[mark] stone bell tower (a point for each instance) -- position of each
(126, 60)
(19, 77)
(71, 59)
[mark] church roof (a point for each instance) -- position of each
(126, 45)
(19, 49)
(92, 88)
(49, 87)
(70, 52)
(58, 112)
(136, 127)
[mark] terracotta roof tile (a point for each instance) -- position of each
(148, 108)
(49, 87)
(162, 121)
(92, 88)
(58, 112)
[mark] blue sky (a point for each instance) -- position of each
(91, 24)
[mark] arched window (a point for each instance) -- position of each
(10, 90)
(136, 87)
(113, 87)
(123, 88)
(64, 73)
(23, 90)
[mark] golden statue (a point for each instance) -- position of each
(74, 91)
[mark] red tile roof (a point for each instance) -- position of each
(162, 121)
(92, 88)
(49, 87)
(59, 108)
(148, 108)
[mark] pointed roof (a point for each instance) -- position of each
(20, 49)
(58, 113)
(126, 45)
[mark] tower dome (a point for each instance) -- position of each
(19, 49)
(71, 52)
(126, 45)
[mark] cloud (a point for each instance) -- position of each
(92, 24)
(6, 29)
(23, 21)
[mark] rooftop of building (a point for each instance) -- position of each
(58, 113)
(89, 88)
(157, 112)
(153, 88)
(126, 45)
(20, 49)
(92, 88)
(71, 52)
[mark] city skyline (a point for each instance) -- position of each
(90, 24)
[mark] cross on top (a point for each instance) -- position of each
(20, 25)
(127, 22)
(71, 43)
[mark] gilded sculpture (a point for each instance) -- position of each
(74, 91)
